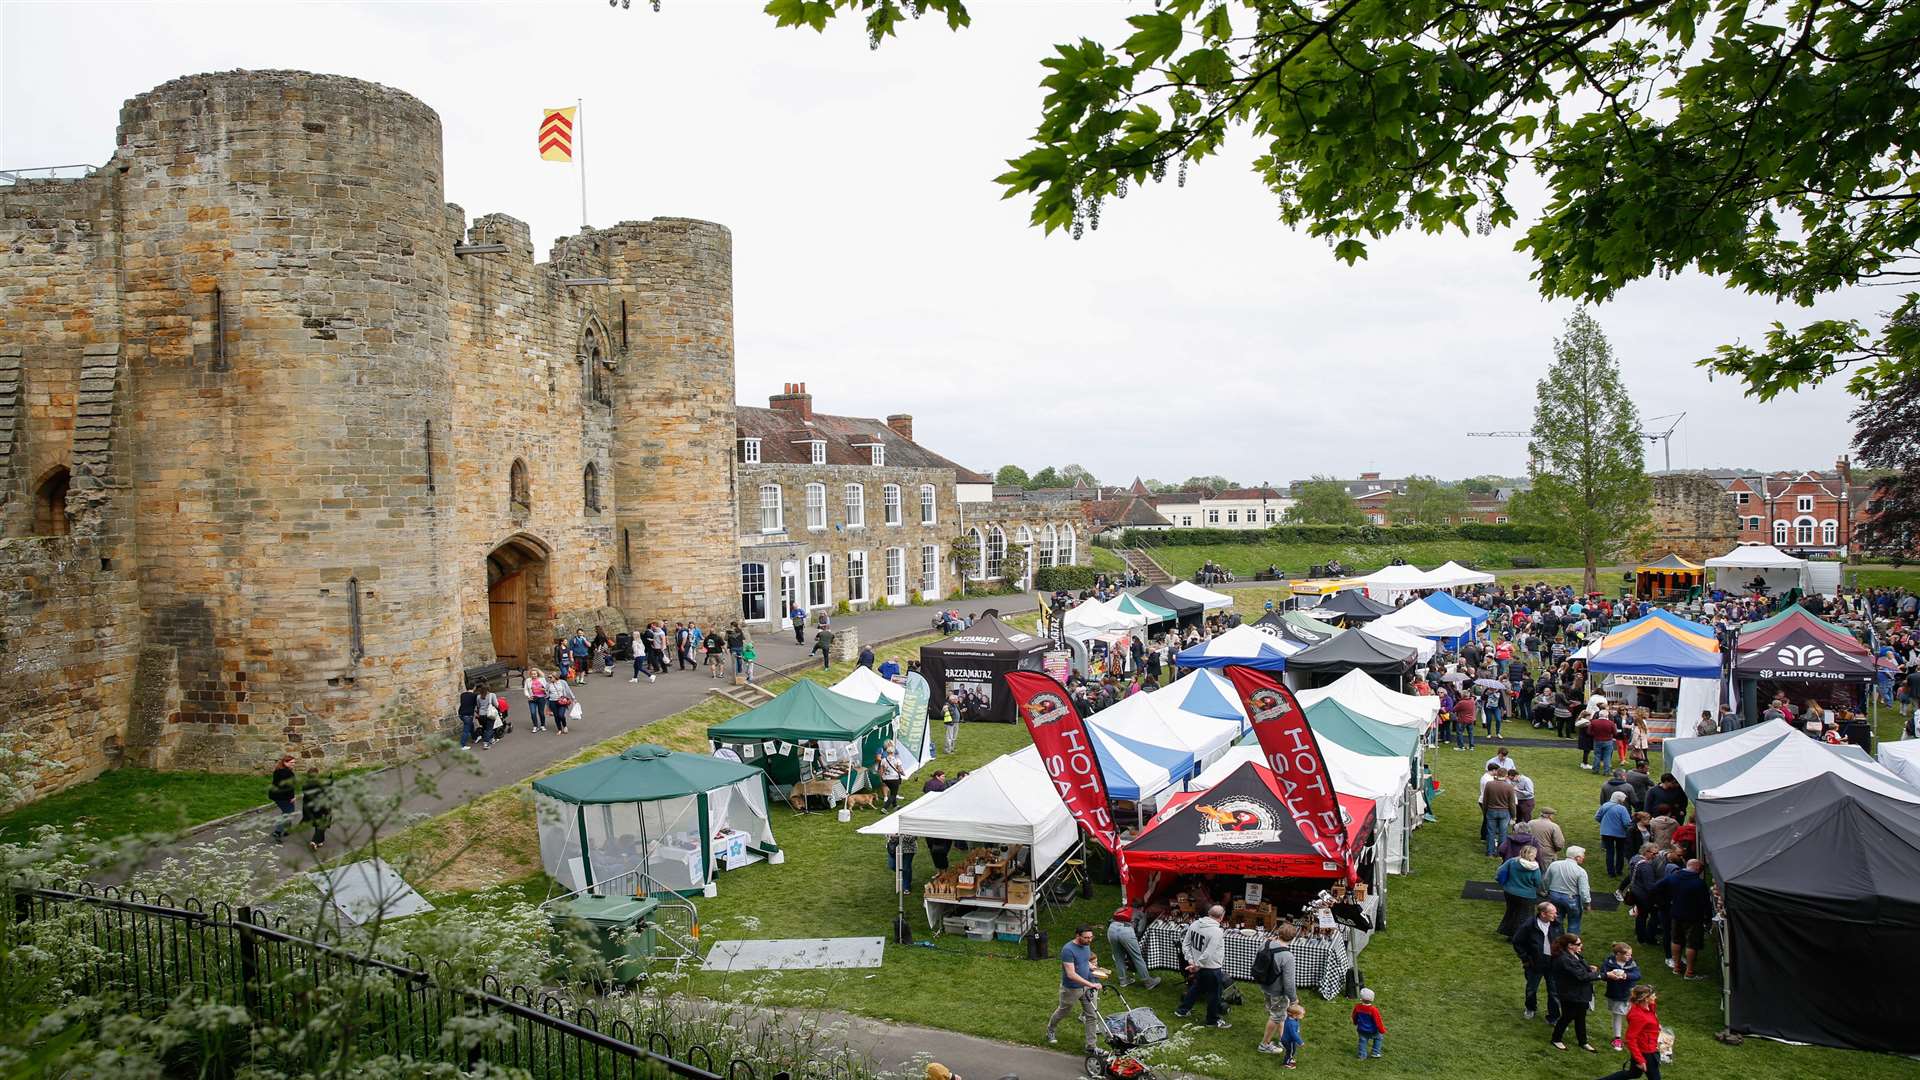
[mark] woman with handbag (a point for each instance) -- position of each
(560, 699)
(536, 691)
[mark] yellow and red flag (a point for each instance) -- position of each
(556, 135)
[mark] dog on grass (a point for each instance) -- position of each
(863, 802)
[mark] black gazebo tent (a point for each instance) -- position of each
(1188, 612)
(1804, 665)
(1353, 607)
(1321, 664)
(975, 661)
(1822, 890)
(1274, 623)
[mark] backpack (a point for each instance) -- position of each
(1263, 972)
(1501, 875)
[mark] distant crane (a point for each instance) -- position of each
(1664, 438)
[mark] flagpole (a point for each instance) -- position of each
(580, 150)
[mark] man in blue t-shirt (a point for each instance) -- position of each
(1078, 988)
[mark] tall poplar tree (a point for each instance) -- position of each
(1586, 461)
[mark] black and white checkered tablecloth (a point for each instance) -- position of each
(1318, 963)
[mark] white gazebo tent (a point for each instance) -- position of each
(1009, 800)
(1902, 759)
(1364, 694)
(1200, 594)
(1392, 582)
(1423, 648)
(1791, 761)
(1451, 575)
(865, 684)
(1422, 619)
(1736, 570)
(1094, 617)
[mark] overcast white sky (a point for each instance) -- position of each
(874, 259)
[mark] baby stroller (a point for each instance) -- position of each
(1126, 1031)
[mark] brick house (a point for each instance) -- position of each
(1807, 513)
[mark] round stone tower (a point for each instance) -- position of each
(285, 313)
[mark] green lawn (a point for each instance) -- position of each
(1247, 559)
(1105, 561)
(1885, 579)
(128, 801)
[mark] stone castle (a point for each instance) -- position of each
(286, 442)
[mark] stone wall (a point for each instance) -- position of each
(291, 413)
(1692, 518)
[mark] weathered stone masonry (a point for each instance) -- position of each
(258, 424)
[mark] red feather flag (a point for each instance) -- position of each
(1067, 752)
(1288, 744)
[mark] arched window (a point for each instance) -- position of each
(996, 552)
(613, 587)
(929, 512)
(1049, 538)
(518, 493)
(978, 571)
(816, 506)
(890, 503)
(1829, 532)
(590, 487)
(1779, 533)
(1803, 531)
(856, 506)
(772, 510)
(50, 504)
(599, 388)
(1065, 555)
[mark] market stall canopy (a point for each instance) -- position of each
(978, 659)
(1822, 895)
(1353, 651)
(1333, 721)
(1791, 761)
(990, 635)
(1127, 604)
(1451, 575)
(1239, 826)
(1390, 582)
(1145, 720)
(1777, 569)
(1367, 775)
(1797, 620)
(805, 711)
(1205, 597)
(1902, 759)
(1423, 648)
(1184, 609)
(1009, 800)
(1204, 693)
(1684, 756)
(1701, 779)
(1135, 770)
(1802, 655)
(1099, 617)
(1351, 605)
(1241, 645)
(1449, 604)
(1658, 649)
(1364, 694)
(1422, 619)
(643, 773)
(865, 684)
(1670, 562)
(1297, 625)
(1679, 623)
(1792, 611)
(1649, 624)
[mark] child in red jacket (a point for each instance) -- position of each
(1643, 1037)
(1367, 1022)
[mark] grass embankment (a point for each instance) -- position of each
(1880, 578)
(1293, 559)
(1450, 989)
(1105, 561)
(127, 801)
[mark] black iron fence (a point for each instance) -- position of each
(150, 951)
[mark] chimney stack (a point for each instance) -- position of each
(793, 398)
(902, 425)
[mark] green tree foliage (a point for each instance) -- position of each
(1217, 483)
(1587, 464)
(1324, 501)
(1012, 476)
(1767, 144)
(1047, 477)
(1887, 438)
(1070, 474)
(1428, 502)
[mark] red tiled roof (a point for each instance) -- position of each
(784, 438)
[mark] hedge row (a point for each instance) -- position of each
(1071, 578)
(1332, 534)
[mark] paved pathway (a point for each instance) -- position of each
(611, 706)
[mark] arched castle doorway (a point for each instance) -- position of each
(517, 605)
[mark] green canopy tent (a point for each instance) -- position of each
(1363, 734)
(811, 733)
(652, 821)
(1129, 604)
(1789, 612)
